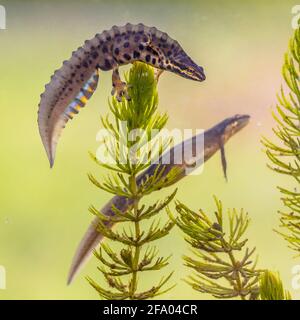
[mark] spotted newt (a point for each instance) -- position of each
(75, 82)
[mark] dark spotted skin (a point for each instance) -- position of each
(123, 45)
(74, 83)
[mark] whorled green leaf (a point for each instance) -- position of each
(124, 268)
(271, 287)
(284, 153)
(223, 266)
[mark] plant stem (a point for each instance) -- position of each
(133, 286)
(122, 268)
(239, 285)
(238, 279)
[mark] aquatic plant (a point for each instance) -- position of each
(284, 154)
(222, 263)
(271, 287)
(122, 268)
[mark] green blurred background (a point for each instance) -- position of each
(43, 212)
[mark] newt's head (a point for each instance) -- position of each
(169, 55)
(222, 132)
(186, 67)
(233, 125)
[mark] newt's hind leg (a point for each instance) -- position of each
(120, 88)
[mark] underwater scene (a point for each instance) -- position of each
(150, 150)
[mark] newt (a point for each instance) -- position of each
(75, 82)
(214, 140)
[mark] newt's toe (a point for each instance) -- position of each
(120, 89)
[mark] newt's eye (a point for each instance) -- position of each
(190, 70)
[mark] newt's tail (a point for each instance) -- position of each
(92, 237)
(86, 246)
(68, 91)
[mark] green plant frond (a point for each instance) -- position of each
(271, 287)
(212, 271)
(156, 208)
(112, 219)
(116, 283)
(107, 232)
(106, 294)
(131, 127)
(118, 184)
(284, 154)
(127, 256)
(109, 269)
(156, 232)
(220, 256)
(118, 167)
(148, 256)
(158, 264)
(205, 285)
(197, 226)
(156, 290)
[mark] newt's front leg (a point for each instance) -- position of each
(120, 88)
